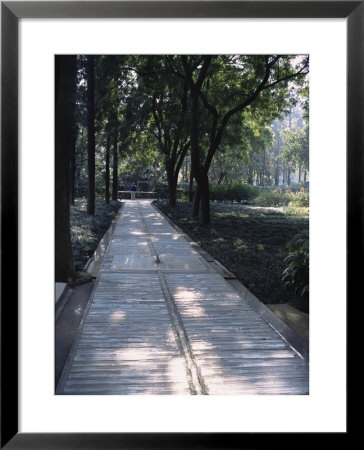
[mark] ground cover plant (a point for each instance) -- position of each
(86, 230)
(249, 241)
(296, 274)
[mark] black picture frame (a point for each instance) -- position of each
(11, 12)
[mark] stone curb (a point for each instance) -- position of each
(62, 299)
(60, 289)
(92, 266)
(94, 263)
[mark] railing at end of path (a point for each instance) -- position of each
(144, 194)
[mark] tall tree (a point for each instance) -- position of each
(115, 164)
(107, 169)
(169, 107)
(107, 101)
(230, 86)
(296, 148)
(161, 106)
(91, 134)
(80, 163)
(73, 164)
(65, 93)
(114, 84)
(195, 85)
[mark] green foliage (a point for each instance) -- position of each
(300, 199)
(219, 192)
(233, 192)
(296, 273)
(296, 146)
(139, 160)
(296, 211)
(272, 197)
(144, 186)
(280, 197)
(142, 103)
(296, 187)
(163, 192)
(182, 194)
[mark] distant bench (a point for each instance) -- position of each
(138, 194)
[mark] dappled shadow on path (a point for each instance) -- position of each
(236, 351)
(130, 343)
(127, 345)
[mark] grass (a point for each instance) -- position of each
(249, 241)
(87, 231)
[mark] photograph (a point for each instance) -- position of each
(182, 221)
(182, 224)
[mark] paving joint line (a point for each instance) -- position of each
(194, 377)
(194, 373)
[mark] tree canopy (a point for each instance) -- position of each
(202, 118)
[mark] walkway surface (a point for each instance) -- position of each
(173, 327)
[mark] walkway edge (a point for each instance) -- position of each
(66, 367)
(94, 263)
(298, 344)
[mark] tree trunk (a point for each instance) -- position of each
(73, 166)
(65, 73)
(221, 177)
(195, 88)
(91, 135)
(276, 175)
(190, 191)
(195, 159)
(172, 185)
(204, 200)
(196, 202)
(172, 189)
(284, 176)
(115, 169)
(262, 179)
(72, 178)
(250, 175)
(107, 170)
(81, 157)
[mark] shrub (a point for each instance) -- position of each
(233, 192)
(162, 190)
(272, 197)
(295, 187)
(296, 211)
(296, 274)
(218, 192)
(182, 194)
(301, 198)
(243, 191)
